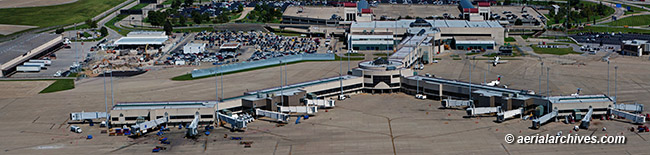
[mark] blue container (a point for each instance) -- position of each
(306, 117)
(155, 150)
(89, 137)
(207, 133)
(164, 139)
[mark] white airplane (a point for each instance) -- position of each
(495, 82)
(497, 61)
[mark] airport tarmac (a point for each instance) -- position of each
(38, 123)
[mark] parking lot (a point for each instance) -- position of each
(251, 46)
(612, 38)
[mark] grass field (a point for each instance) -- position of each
(610, 29)
(509, 39)
(354, 54)
(631, 21)
(554, 51)
(59, 85)
(111, 24)
(64, 14)
(139, 6)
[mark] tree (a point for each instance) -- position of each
(103, 31)
(157, 18)
(196, 17)
(59, 30)
(91, 23)
(518, 22)
(189, 3)
(176, 4)
(168, 27)
(506, 2)
(182, 20)
(240, 8)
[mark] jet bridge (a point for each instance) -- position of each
(473, 111)
(450, 103)
(503, 115)
(280, 117)
(192, 129)
(236, 122)
(78, 116)
(635, 118)
(584, 124)
(321, 103)
(634, 108)
(299, 109)
(142, 128)
(541, 120)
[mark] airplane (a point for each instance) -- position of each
(496, 61)
(495, 82)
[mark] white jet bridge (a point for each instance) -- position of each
(541, 120)
(321, 103)
(78, 116)
(144, 127)
(299, 109)
(503, 115)
(451, 103)
(192, 129)
(584, 124)
(280, 117)
(235, 122)
(634, 108)
(473, 111)
(636, 118)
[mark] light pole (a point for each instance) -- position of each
(281, 86)
(216, 88)
(615, 83)
(105, 97)
(548, 96)
(541, 73)
(341, 75)
(112, 94)
(607, 77)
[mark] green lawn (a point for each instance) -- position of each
(111, 24)
(640, 20)
(610, 29)
(64, 14)
(78, 27)
(139, 6)
(354, 54)
(635, 9)
(554, 51)
(59, 85)
(381, 54)
(509, 39)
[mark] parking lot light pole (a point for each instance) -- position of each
(541, 73)
(548, 96)
(216, 88)
(615, 83)
(607, 77)
(112, 94)
(105, 96)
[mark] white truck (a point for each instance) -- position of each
(28, 68)
(34, 64)
(46, 62)
(75, 129)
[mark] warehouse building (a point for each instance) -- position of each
(635, 47)
(142, 39)
(15, 52)
(194, 48)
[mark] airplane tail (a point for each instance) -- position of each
(499, 78)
